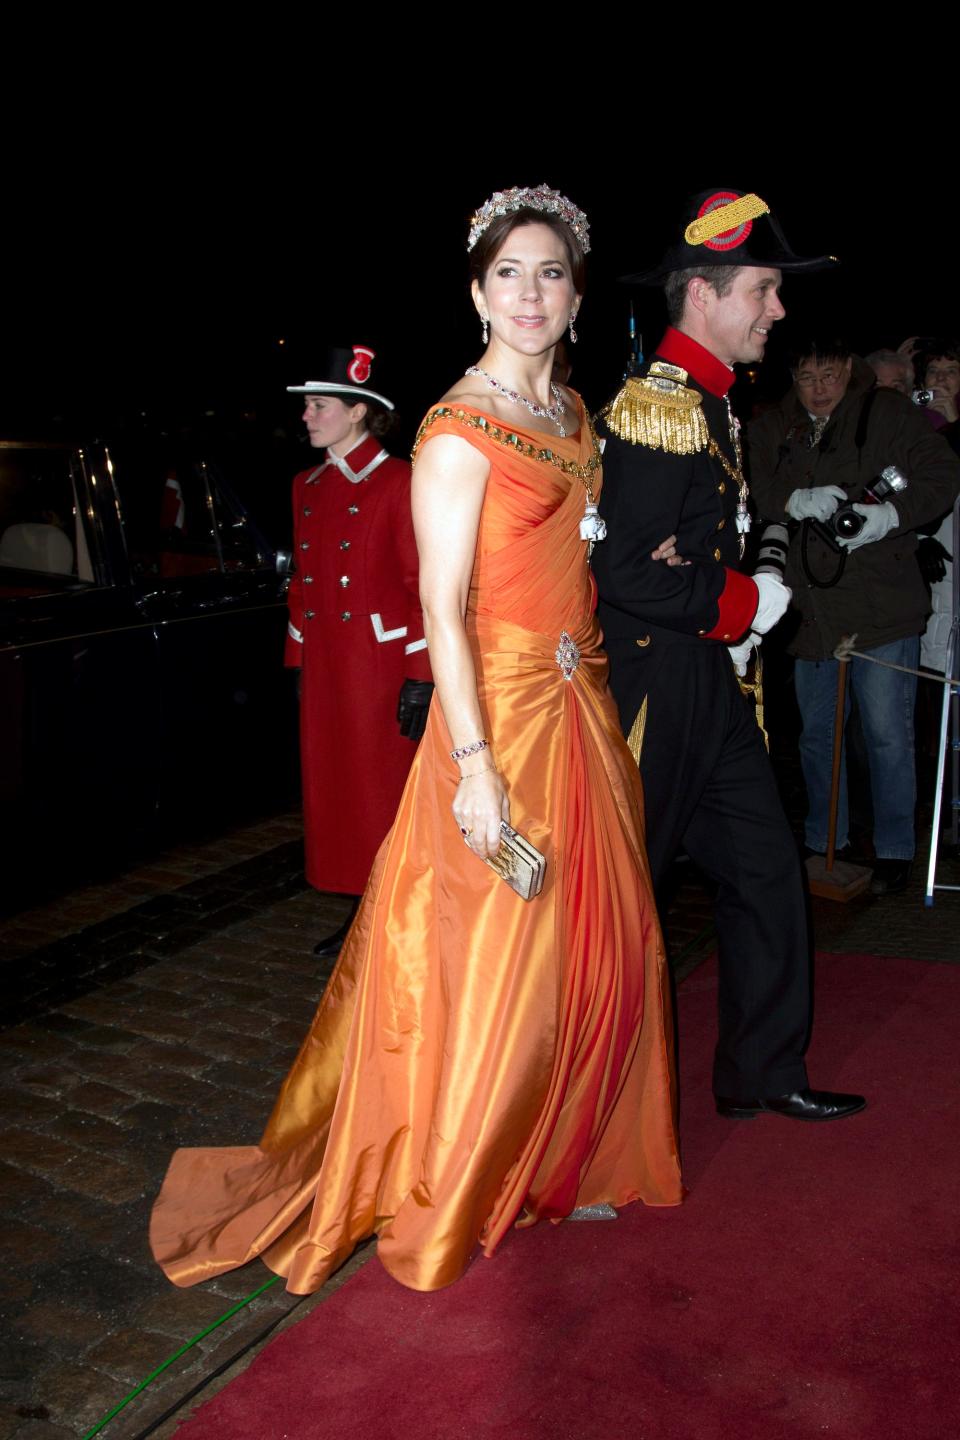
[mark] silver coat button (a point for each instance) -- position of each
(353, 509)
(307, 510)
(344, 581)
(344, 544)
(304, 544)
(309, 614)
(308, 579)
(345, 615)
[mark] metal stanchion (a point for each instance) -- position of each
(949, 732)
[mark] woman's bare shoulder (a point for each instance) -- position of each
(438, 448)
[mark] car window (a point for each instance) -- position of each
(167, 517)
(45, 538)
(180, 521)
(241, 546)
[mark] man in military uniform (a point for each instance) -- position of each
(672, 463)
(355, 629)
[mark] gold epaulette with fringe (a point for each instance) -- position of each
(659, 411)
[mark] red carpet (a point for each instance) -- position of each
(808, 1287)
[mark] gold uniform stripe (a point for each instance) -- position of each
(725, 217)
(754, 688)
(635, 738)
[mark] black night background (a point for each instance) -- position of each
(189, 289)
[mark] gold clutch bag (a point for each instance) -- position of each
(517, 862)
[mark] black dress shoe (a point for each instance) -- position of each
(890, 876)
(799, 1105)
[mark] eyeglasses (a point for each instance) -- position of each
(826, 377)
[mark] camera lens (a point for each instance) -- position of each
(848, 522)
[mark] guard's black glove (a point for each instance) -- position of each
(412, 707)
(932, 557)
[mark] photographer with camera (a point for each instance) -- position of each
(854, 468)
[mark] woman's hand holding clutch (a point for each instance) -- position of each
(478, 807)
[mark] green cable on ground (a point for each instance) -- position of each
(176, 1356)
(690, 946)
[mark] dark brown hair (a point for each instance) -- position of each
(492, 240)
(379, 421)
(719, 277)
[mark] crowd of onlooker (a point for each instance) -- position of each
(855, 476)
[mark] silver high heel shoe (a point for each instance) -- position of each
(603, 1211)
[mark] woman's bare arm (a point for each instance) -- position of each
(449, 483)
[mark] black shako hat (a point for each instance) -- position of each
(344, 372)
(727, 227)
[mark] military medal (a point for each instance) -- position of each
(743, 521)
(592, 527)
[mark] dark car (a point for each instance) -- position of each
(142, 622)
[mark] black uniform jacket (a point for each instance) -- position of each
(650, 493)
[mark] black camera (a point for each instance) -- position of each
(846, 522)
(921, 397)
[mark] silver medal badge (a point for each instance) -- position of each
(592, 527)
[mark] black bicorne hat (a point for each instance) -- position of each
(727, 227)
(344, 372)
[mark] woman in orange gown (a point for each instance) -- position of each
(478, 1061)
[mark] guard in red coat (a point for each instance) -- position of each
(355, 630)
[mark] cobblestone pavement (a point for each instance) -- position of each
(161, 1008)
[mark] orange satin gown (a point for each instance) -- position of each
(477, 1060)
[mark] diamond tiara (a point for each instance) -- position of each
(542, 198)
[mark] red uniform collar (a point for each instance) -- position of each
(691, 356)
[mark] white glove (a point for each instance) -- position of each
(774, 599)
(740, 654)
(879, 520)
(816, 504)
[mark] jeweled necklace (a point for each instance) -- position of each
(554, 413)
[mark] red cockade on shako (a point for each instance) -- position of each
(359, 368)
(727, 239)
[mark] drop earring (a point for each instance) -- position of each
(486, 332)
(573, 333)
